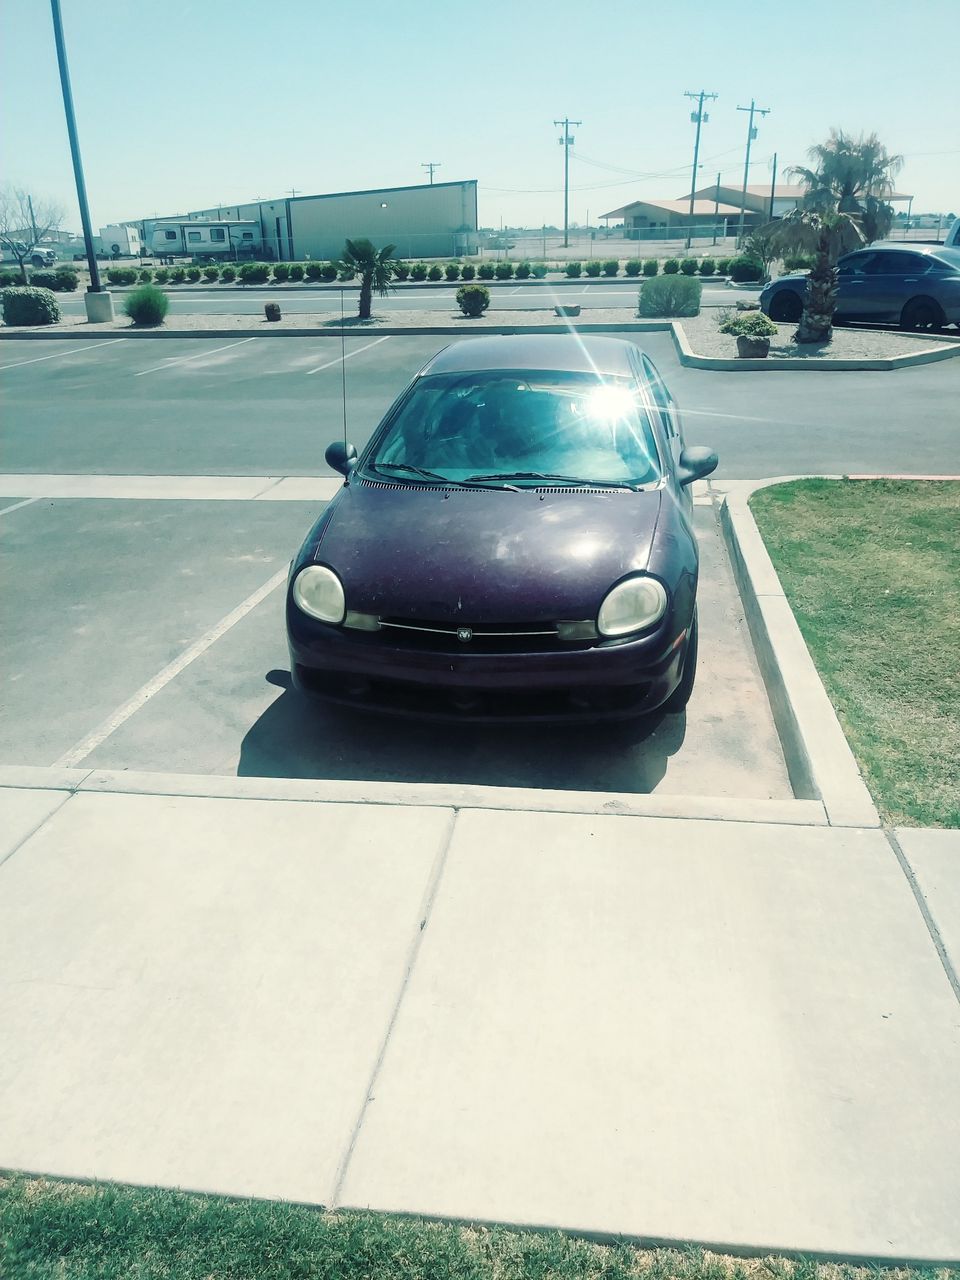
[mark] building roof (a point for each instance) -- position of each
(701, 208)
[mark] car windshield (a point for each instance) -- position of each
(522, 428)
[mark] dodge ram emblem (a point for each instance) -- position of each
(464, 634)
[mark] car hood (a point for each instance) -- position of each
(485, 555)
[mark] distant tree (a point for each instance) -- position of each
(374, 268)
(24, 222)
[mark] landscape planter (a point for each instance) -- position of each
(753, 348)
(571, 309)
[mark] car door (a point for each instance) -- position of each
(853, 285)
(664, 406)
(895, 276)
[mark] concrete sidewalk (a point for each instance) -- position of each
(733, 1033)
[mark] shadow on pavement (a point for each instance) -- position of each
(299, 737)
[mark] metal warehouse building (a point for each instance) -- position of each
(426, 221)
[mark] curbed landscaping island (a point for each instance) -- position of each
(872, 572)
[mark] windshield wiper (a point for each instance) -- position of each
(556, 479)
(472, 482)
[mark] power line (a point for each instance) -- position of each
(751, 134)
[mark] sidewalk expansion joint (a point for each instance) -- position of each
(928, 920)
(33, 830)
(423, 919)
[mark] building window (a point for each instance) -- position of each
(248, 235)
(217, 233)
(170, 235)
(193, 235)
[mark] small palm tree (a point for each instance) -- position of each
(856, 173)
(374, 268)
(826, 232)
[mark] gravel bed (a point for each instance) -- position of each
(705, 338)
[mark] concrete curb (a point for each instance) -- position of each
(806, 812)
(690, 358)
(819, 761)
(385, 331)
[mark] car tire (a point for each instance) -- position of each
(681, 695)
(786, 306)
(922, 314)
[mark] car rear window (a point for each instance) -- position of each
(579, 425)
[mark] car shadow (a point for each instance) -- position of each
(300, 737)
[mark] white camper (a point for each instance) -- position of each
(200, 238)
(119, 242)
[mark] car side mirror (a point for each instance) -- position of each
(696, 462)
(341, 457)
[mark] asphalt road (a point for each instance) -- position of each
(304, 301)
(269, 406)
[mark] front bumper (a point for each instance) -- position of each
(609, 681)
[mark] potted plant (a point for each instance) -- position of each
(752, 331)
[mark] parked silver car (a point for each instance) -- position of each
(914, 286)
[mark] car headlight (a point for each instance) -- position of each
(632, 606)
(319, 592)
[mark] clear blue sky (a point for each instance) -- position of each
(185, 103)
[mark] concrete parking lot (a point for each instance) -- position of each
(95, 629)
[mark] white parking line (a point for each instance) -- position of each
(143, 695)
(175, 360)
(331, 363)
(17, 505)
(81, 350)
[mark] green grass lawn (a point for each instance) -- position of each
(872, 571)
(73, 1231)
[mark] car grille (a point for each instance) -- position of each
(444, 637)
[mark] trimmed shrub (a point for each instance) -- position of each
(121, 275)
(146, 275)
(418, 271)
(452, 270)
(346, 272)
(593, 268)
(9, 279)
(178, 275)
(611, 267)
(745, 270)
(43, 279)
(708, 267)
(227, 275)
(254, 273)
(651, 266)
(573, 269)
(671, 267)
(67, 279)
(633, 266)
(688, 266)
(313, 270)
(523, 271)
(673, 295)
(29, 306)
(281, 272)
(748, 324)
(435, 273)
(211, 274)
(62, 280)
(723, 266)
(328, 272)
(146, 305)
(468, 271)
(194, 274)
(539, 270)
(401, 271)
(296, 270)
(162, 274)
(504, 271)
(473, 299)
(794, 262)
(485, 271)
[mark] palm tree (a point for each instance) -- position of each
(857, 173)
(827, 233)
(374, 268)
(845, 206)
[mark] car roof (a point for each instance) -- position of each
(900, 246)
(568, 352)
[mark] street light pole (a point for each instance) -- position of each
(98, 301)
(566, 142)
(699, 118)
(751, 134)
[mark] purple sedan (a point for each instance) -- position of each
(514, 542)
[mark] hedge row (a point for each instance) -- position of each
(60, 280)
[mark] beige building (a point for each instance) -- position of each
(657, 219)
